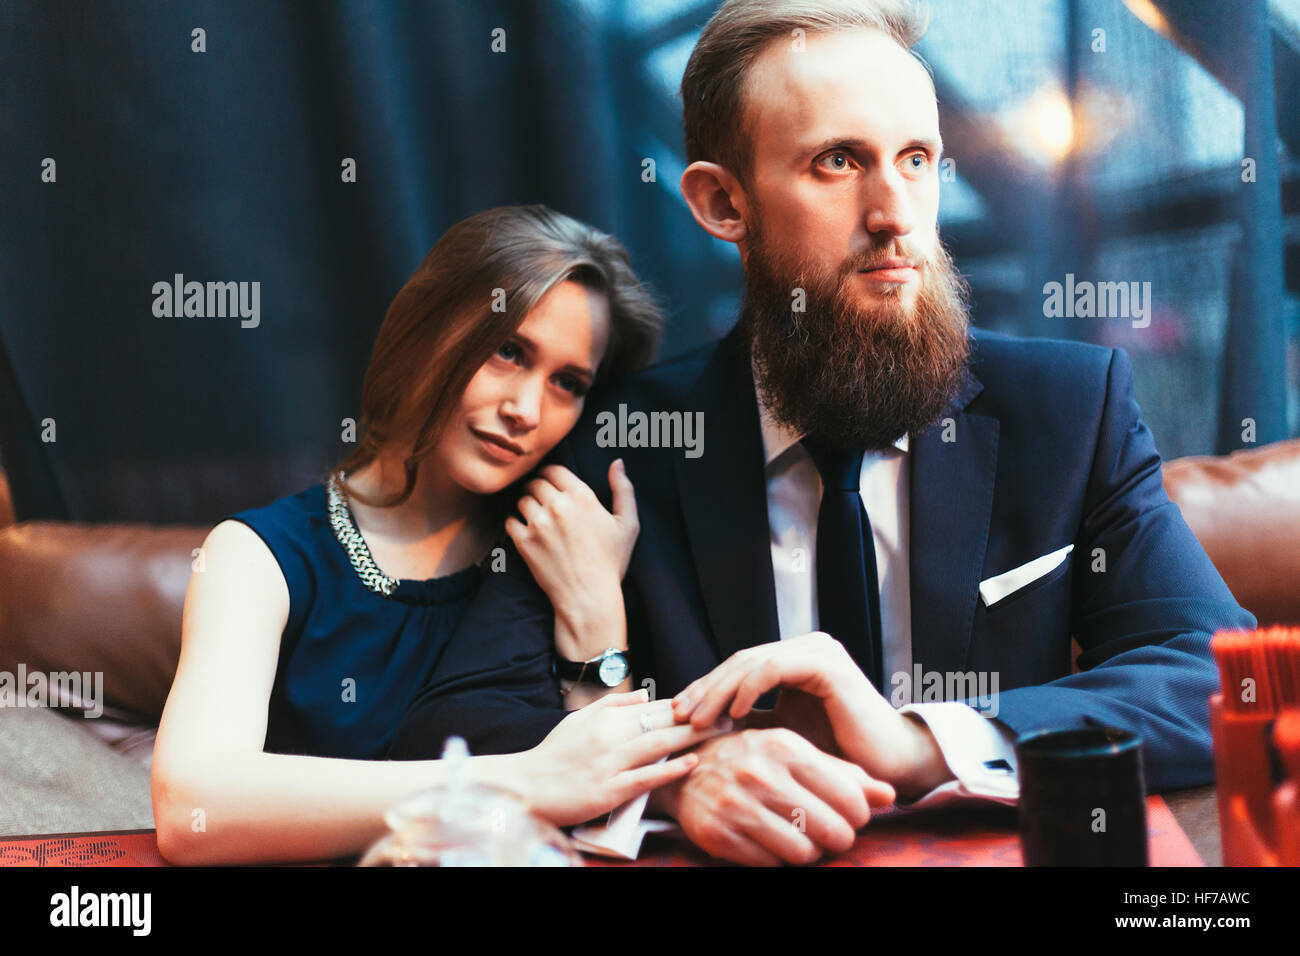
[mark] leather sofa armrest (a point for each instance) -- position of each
(1244, 508)
(97, 598)
(6, 502)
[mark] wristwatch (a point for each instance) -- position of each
(608, 668)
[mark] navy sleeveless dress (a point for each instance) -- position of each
(351, 659)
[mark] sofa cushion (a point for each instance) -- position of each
(97, 598)
(56, 778)
(1244, 508)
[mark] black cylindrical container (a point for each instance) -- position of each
(1082, 798)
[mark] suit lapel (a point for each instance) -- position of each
(951, 502)
(723, 492)
(723, 495)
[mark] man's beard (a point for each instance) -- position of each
(857, 376)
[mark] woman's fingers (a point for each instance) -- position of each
(632, 783)
(648, 747)
(515, 528)
(544, 492)
(641, 696)
(624, 495)
(532, 510)
(561, 478)
(658, 712)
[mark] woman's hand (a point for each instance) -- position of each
(568, 527)
(602, 756)
(578, 552)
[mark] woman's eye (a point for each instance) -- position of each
(509, 351)
(571, 384)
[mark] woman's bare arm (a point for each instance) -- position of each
(218, 798)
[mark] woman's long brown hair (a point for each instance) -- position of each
(467, 297)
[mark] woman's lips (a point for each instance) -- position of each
(496, 447)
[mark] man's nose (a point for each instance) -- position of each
(522, 407)
(888, 208)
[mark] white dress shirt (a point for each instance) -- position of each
(980, 753)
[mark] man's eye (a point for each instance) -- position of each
(509, 351)
(838, 161)
(918, 161)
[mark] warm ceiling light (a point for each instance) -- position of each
(1149, 13)
(1052, 122)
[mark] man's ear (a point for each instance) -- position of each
(716, 200)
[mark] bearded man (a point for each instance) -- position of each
(885, 496)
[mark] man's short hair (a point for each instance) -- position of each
(713, 85)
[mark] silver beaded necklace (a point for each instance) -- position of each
(355, 545)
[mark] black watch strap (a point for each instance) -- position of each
(583, 672)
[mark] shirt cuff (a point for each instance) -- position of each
(979, 751)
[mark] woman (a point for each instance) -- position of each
(315, 619)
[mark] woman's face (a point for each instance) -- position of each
(525, 398)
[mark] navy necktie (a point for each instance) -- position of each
(848, 592)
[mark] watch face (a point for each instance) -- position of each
(613, 670)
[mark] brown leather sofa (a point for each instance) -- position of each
(108, 597)
(1245, 511)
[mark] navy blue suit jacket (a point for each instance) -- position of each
(1044, 448)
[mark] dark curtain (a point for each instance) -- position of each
(225, 165)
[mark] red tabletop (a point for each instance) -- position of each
(893, 838)
(938, 838)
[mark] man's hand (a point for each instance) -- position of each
(853, 720)
(764, 797)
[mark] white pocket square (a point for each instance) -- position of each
(999, 586)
